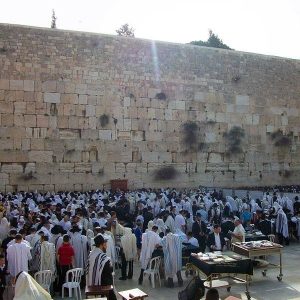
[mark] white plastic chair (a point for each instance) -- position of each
(73, 278)
(153, 269)
(44, 279)
(271, 238)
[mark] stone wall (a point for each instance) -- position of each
(79, 109)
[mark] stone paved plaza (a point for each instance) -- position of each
(261, 288)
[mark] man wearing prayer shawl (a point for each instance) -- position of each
(282, 229)
(172, 248)
(150, 241)
(80, 245)
(28, 289)
(18, 255)
(48, 256)
(129, 252)
(99, 268)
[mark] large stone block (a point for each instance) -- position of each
(16, 85)
(40, 156)
(52, 97)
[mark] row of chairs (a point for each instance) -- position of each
(73, 278)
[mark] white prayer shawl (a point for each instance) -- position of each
(282, 223)
(32, 239)
(233, 203)
(90, 235)
(128, 242)
(160, 224)
(48, 257)
(28, 289)
(18, 256)
(4, 228)
(170, 223)
(172, 247)
(149, 240)
(80, 245)
(96, 262)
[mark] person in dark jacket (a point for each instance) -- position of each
(3, 273)
(200, 231)
(216, 239)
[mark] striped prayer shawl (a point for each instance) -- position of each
(172, 248)
(96, 262)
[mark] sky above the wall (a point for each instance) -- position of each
(269, 27)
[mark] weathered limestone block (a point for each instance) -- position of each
(12, 168)
(49, 86)
(83, 167)
(16, 85)
(4, 84)
(242, 100)
(105, 134)
(40, 156)
(52, 97)
(13, 156)
(150, 156)
(6, 107)
(28, 85)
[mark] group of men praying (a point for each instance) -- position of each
(99, 230)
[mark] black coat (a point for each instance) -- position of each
(197, 229)
(211, 241)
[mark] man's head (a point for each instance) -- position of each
(217, 228)
(212, 294)
(66, 239)
(18, 238)
(100, 242)
(237, 221)
(154, 228)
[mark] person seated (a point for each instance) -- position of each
(265, 226)
(191, 240)
(227, 226)
(212, 294)
(28, 289)
(216, 239)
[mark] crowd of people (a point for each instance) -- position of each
(100, 230)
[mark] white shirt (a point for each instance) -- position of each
(218, 241)
(238, 230)
(193, 241)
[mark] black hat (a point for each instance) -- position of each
(99, 240)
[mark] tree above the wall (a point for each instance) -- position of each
(125, 30)
(213, 41)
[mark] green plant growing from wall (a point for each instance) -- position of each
(165, 173)
(281, 140)
(234, 140)
(104, 120)
(190, 135)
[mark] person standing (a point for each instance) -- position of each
(3, 273)
(238, 234)
(99, 269)
(80, 243)
(65, 259)
(172, 248)
(199, 231)
(150, 241)
(128, 253)
(18, 256)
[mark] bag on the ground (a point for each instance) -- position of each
(195, 290)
